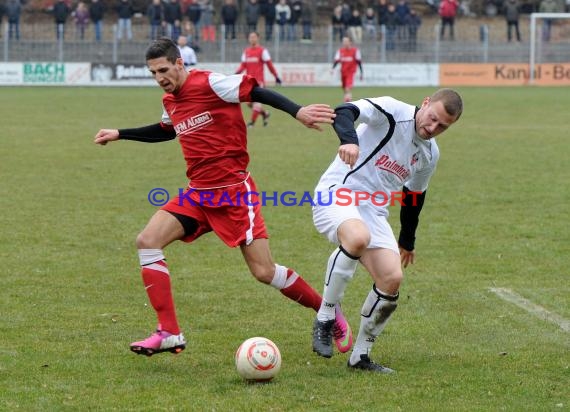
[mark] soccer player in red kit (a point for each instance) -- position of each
(253, 61)
(349, 58)
(203, 110)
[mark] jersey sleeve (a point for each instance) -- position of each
(358, 56)
(265, 56)
(165, 119)
(232, 89)
(420, 180)
(375, 111)
(337, 56)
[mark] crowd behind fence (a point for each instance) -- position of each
(474, 43)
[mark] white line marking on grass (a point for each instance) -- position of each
(533, 308)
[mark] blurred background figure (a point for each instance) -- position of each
(155, 15)
(96, 14)
(229, 15)
(208, 32)
(125, 14)
(186, 52)
(447, 12)
(173, 19)
(81, 16)
(60, 12)
(512, 17)
(13, 12)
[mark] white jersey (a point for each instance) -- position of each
(391, 153)
(188, 55)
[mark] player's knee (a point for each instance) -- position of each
(145, 241)
(354, 237)
(263, 273)
(394, 280)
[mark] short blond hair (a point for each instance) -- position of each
(452, 102)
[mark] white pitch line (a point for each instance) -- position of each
(532, 308)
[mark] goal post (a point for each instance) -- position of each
(533, 37)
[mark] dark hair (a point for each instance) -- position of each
(163, 47)
(451, 101)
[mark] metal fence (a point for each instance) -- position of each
(473, 43)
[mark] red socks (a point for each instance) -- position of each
(300, 291)
(156, 279)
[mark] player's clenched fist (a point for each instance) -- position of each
(106, 135)
(314, 114)
(348, 153)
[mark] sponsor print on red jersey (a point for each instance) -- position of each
(215, 150)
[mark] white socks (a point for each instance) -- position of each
(148, 256)
(340, 270)
(374, 316)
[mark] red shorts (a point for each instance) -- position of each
(347, 80)
(232, 213)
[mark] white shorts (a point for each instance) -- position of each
(327, 219)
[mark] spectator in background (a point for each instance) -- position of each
(355, 26)
(547, 6)
(345, 13)
(208, 31)
(512, 17)
(155, 15)
(229, 17)
(96, 13)
(307, 21)
(370, 24)
(186, 52)
(391, 27)
(337, 23)
(81, 16)
(125, 14)
(270, 17)
(2, 14)
(173, 18)
(413, 23)
(252, 13)
(194, 13)
(381, 12)
(283, 13)
(13, 12)
(402, 10)
(349, 58)
(61, 12)
(447, 12)
(296, 9)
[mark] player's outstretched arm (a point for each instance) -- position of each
(153, 133)
(310, 115)
(105, 136)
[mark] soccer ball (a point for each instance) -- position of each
(258, 359)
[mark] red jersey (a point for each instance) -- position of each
(253, 60)
(207, 117)
(349, 60)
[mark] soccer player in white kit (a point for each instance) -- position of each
(388, 159)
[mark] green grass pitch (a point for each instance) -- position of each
(72, 299)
